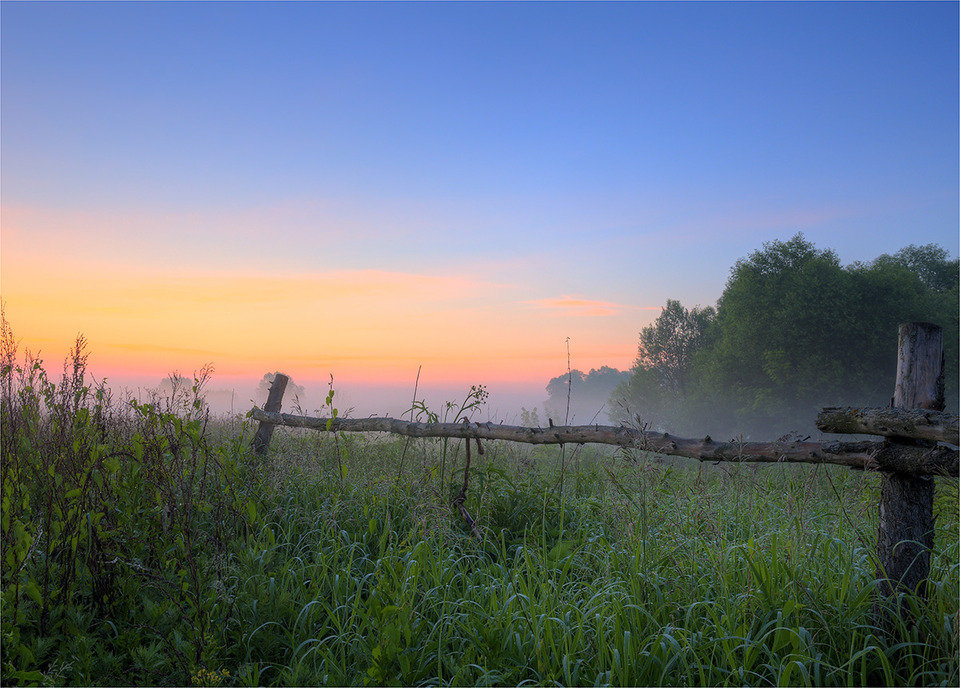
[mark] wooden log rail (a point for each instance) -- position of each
(862, 455)
(916, 423)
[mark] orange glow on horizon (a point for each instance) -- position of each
(367, 325)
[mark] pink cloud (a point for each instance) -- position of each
(575, 305)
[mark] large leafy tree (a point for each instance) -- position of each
(936, 299)
(930, 263)
(667, 347)
(780, 329)
(794, 330)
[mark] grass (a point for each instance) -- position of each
(144, 544)
(754, 576)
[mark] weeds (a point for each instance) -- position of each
(144, 544)
(117, 524)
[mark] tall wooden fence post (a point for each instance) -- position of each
(906, 501)
(261, 441)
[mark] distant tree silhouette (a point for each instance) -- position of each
(263, 388)
(589, 394)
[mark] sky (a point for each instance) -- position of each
(366, 190)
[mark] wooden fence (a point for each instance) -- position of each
(909, 457)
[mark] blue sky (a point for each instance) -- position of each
(618, 153)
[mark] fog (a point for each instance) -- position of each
(354, 398)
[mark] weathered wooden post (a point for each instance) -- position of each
(906, 500)
(261, 441)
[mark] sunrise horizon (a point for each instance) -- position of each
(365, 190)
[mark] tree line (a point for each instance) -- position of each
(794, 330)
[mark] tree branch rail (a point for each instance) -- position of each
(915, 423)
(862, 455)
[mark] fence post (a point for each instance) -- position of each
(261, 441)
(905, 536)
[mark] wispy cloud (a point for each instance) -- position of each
(578, 306)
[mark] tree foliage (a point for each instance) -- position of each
(589, 393)
(667, 347)
(655, 393)
(793, 330)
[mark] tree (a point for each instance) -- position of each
(794, 330)
(293, 390)
(660, 380)
(780, 334)
(588, 395)
(925, 277)
(670, 343)
(929, 263)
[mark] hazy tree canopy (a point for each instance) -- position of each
(794, 330)
(929, 263)
(782, 329)
(292, 391)
(589, 394)
(660, 379)
(667, 347)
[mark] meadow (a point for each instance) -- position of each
(145, 544)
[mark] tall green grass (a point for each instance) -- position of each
(674, 577)
(143, 544)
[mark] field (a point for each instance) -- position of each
(144, 543)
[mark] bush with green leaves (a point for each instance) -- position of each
(117, 526)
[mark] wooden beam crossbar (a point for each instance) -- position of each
(862, 455)
(913, 423)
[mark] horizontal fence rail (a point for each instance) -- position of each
(864, 455)
(917, 424)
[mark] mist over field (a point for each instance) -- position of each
(793, 331)
(362, 399)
